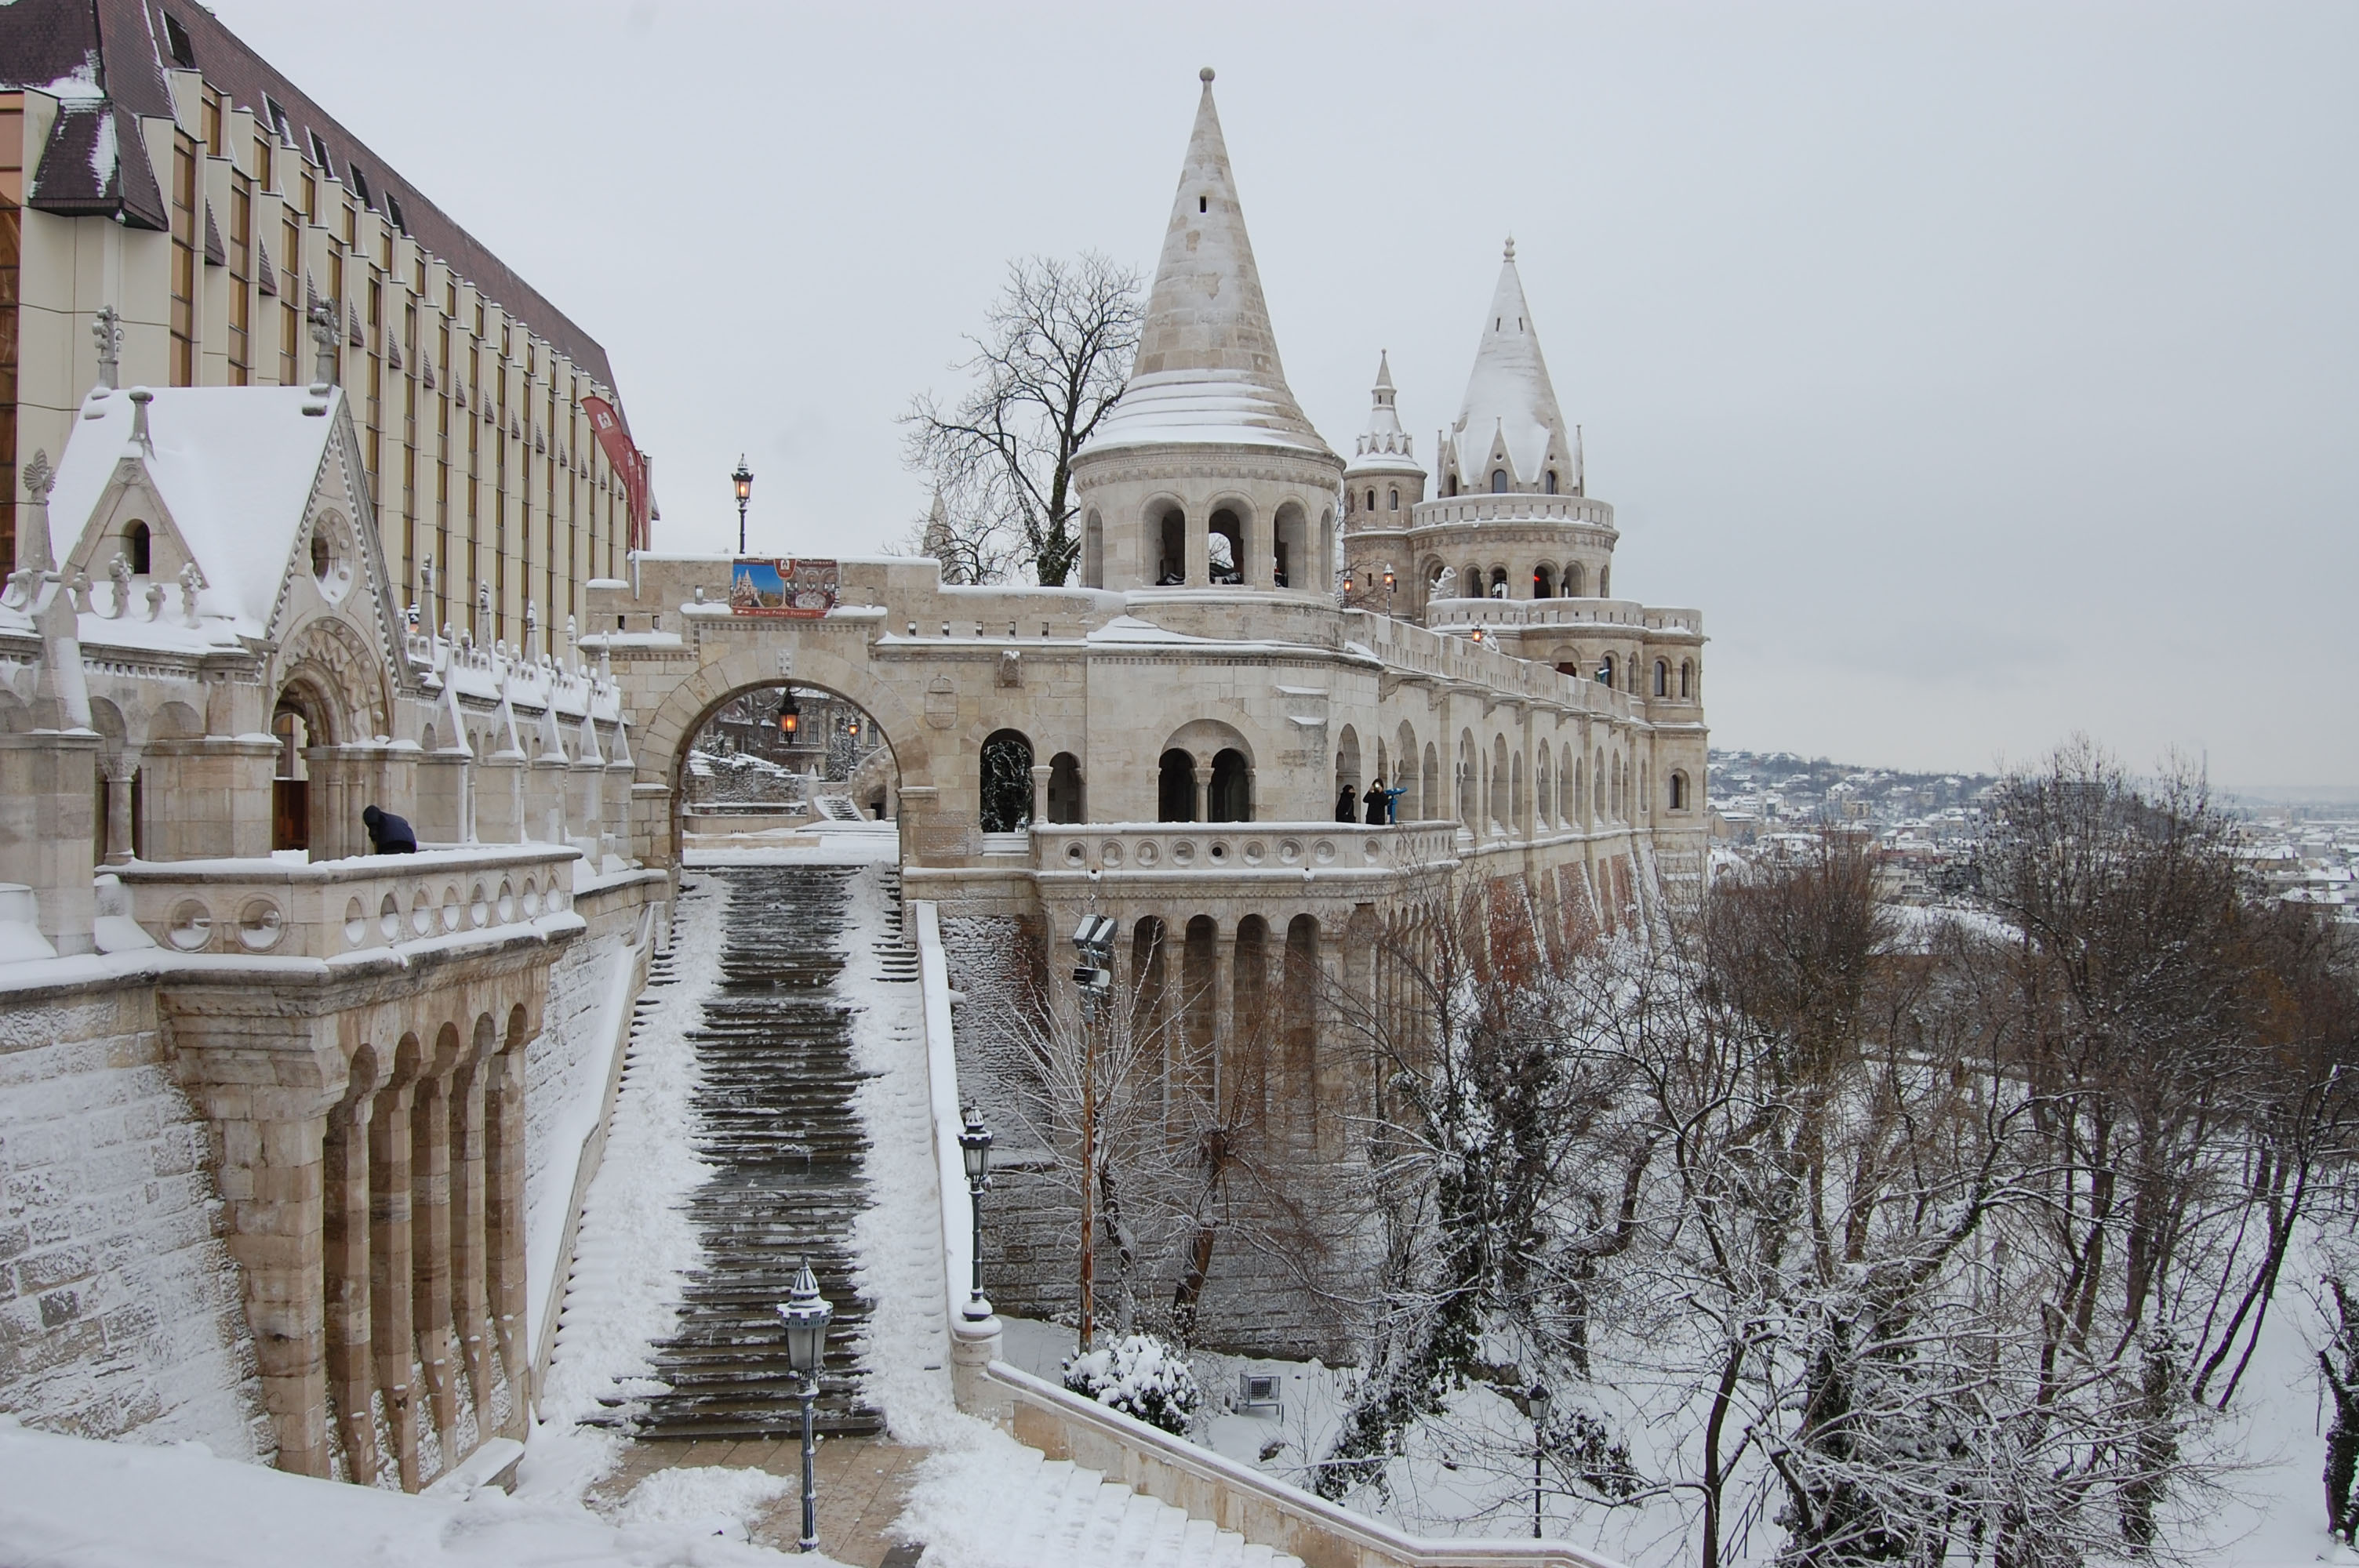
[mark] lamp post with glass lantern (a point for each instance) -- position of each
(807, 1314)
(744, 479)
(974, 1148)
(1388, 590)
(1534, 1403)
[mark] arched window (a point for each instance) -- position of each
(1429, 793)
(1606, 582)
(1597, 784)
(1065, 801)
(1687, 679)
(1498, 482)
(1093, 551)
(1498, 582)
(1606, 671)
(1232, 792)
(1678, 792)
(1543, 789)
(1576, 580)
(1292, 565)
(1470, 581)
(1543, 583)
(1175, 790)
(1662, 677)
(1170, 536)
(136, 547)
(1467, 781)
(1392, 499)
(1372, 500)
(1006, 782)
(1226, 548)
(1552, 482)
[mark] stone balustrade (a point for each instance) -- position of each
(1245, 850)
(283, 909)
(1582, 613)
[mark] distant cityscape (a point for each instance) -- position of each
(1924, 826)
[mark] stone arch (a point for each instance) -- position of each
(1499, 806)
(1175, 786)
(1347, 764)
(1231, 522)
(1543, 789)
(1575, 584)
(1291, 562)
(1676, 795)
(1229, 792)
(346, 675)
(1429, 785)
(1410, 807)
(660, 745)
(1163, 541)
(1544, 581)
(1068, 799)
(1092, 549)
(1468, 777)
(1516, 817)
(1687, 680)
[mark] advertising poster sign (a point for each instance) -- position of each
(786, 587)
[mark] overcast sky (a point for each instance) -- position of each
(1983, 373)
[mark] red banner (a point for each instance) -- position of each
(614, 440)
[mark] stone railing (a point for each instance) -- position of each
(1513, 507)
(1241, 848)
(1415, 651)
(282, 909)
(1265, 1511)
(1583, 612)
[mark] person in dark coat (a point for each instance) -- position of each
(1375, 801)
(389, 835)
(1346, 809)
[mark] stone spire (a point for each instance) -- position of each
(1510, 412)
(1207, 368)
(1383, 445)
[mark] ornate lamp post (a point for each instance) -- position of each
(1093, 975)
(1536, 1405)
(1388, 590)
(808, 1314)
(790, 716)
(974, 1148)
(743, 478)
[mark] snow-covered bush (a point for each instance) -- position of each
(1141, 1376)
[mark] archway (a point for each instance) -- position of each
(771, 757)
(1067, 801)
(299, 721)
(1005, 783)
(1175, 787)
(1231, 791)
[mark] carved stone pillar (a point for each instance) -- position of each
(442, 779)
(391, 1264)
(344, 1231)
(430, 1238)
(470, 1305)
(119, 769)
(1203, 785)
(1225, 1012)
(46, 828)
(504, 1255)
(1041, 772)
(209, 798)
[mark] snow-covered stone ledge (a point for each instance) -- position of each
(1265, 1511)
(975, 1337)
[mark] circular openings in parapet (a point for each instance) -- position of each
(331, 555)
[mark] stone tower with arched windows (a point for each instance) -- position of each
(1382, 485)
(1206, 475)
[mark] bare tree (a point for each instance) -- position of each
(1049, 364)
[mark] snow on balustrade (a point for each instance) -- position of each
(1248, 850)
(368, 904)
(489, 672)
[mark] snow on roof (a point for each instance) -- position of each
(1509, 393)
(234, 465)
(1383, 445)
(1207, 368)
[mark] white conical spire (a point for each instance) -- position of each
(1510, 403)
(1207, 368)
(1383, 445)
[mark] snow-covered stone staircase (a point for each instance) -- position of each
(1010, 1507)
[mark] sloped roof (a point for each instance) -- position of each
(1207, 368)
(234, 466)
(1383, 446)
(1509, 393)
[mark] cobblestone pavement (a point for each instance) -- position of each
(863, 1482)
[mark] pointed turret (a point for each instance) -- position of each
(1383, 446)
(1510, 433)
(1207, 368)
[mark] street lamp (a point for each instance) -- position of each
(743, 478)
(1388, 588)
(1536, 1405)
(974, 1148)
(808, 1314)
(1093, 945)
(790, 718)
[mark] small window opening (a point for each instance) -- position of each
(176, 39)
(1203, 204)
(321, 558)
(1498, 482)
(136, 547)
(1392, 500)
(1552, 482)
(393, 208)
(277, 112)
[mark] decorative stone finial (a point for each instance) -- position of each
(192, 580)
(39, 477)
(1205, 76)
(140, 435)
(1511, 249)
(108, 327)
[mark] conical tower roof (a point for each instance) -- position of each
(1383, 445)
(1207, 368)
(1509, 398)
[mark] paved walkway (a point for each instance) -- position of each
(863, 1483)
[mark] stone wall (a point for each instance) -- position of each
(120, 1307)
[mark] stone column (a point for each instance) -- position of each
(1224, 1008)
(470, 1305)
(1041, 772)
(503, 1210)
(47, 787)
(390, 1263)
(545, 818)
(1197, 532)
(441, 798)
(1261, 552)
(118, 769)
(1203, 785)
(267, 1084)
(430, 1238)
(210, 797)
(344, 1232)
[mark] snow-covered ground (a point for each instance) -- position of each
(68, 1502)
